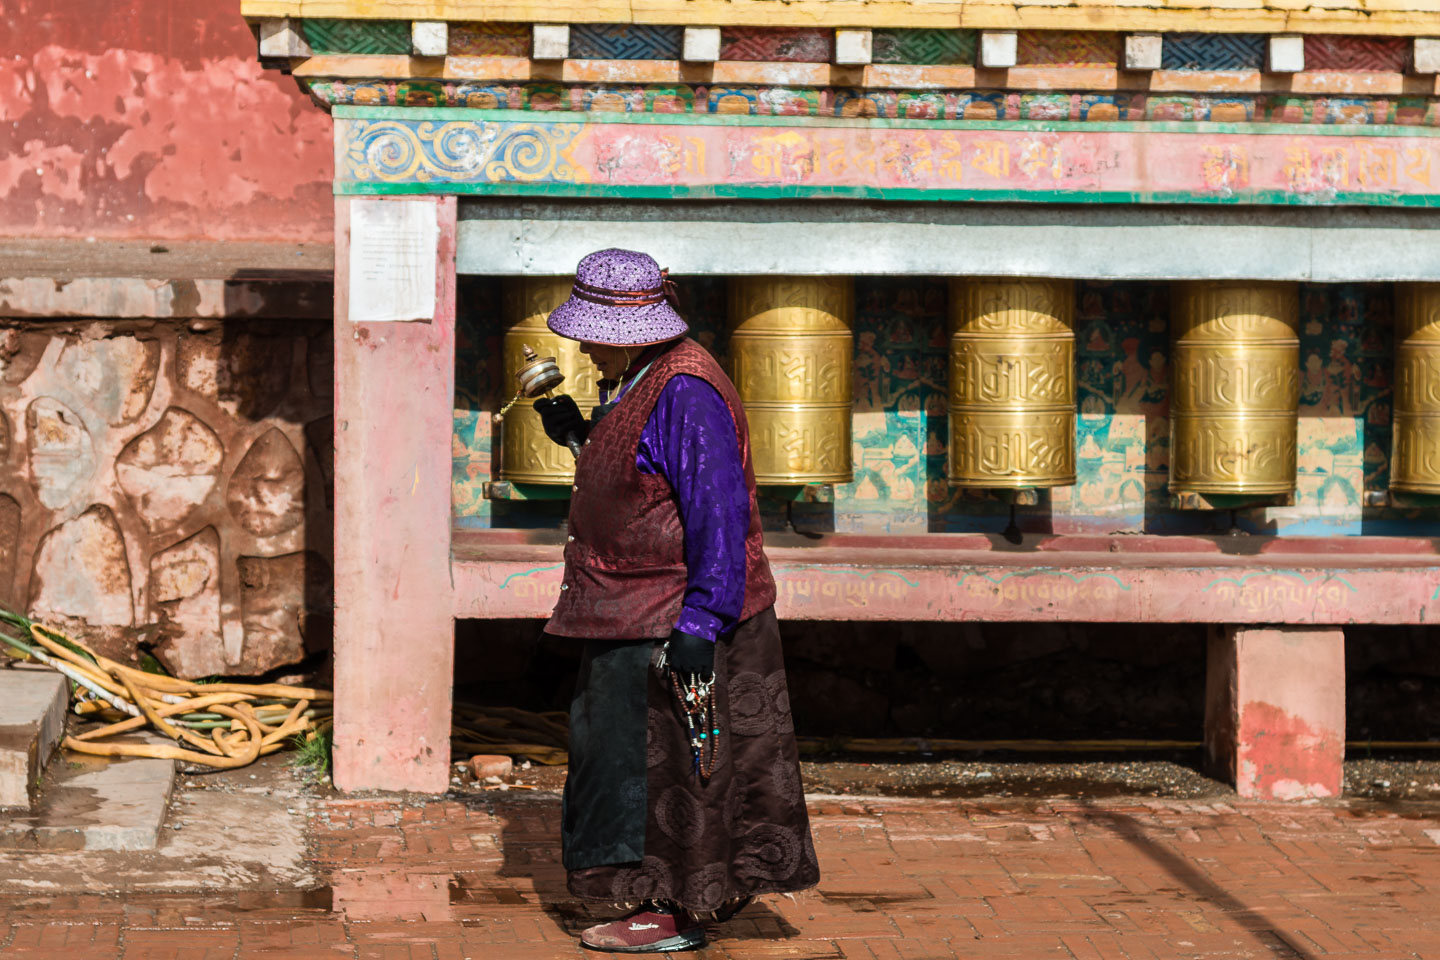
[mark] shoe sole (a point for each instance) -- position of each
(690, 940)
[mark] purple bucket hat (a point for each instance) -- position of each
(621, 298)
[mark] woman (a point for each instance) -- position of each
(683, 796)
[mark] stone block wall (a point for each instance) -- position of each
(165, 484)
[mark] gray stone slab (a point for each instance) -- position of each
(875, 239)
(226, 830)
(95, 803)
(32, 721)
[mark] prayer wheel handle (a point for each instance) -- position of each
(538, 377)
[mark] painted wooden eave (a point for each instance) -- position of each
(1373, 17)
(521, 69)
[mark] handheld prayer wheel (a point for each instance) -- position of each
(526, 454)
(1012, 383)
(1235, 399)
(792, 350)
(1415, 462)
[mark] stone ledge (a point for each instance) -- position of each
(93, 803)
(65, 259)
(32, 721)
(127, 298)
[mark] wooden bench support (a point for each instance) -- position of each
(1275, 710)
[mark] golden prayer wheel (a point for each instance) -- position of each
(1415, 462)
(1235, 395)
(792, 350)
(526, 454)
(1012, 383)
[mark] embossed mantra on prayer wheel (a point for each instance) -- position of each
(1415, 462)
(1012, 383)
(526, 454)
(792, 349)
(1236, 388)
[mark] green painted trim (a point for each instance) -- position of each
(533, 491)
(452, 114)
(755, 192)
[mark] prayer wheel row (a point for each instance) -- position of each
(1234, 398)
(1415, 467)
(792, 355)
(1235, 395)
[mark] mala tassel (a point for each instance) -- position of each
(697, 703)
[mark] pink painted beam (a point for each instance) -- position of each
(1275, 710)
(889, 582)
(394, 632)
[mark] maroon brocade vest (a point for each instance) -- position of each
(625, 573)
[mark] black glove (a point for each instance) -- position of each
(561, 416)
(690, 654)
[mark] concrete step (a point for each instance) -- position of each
(95, 803)
(32, 721)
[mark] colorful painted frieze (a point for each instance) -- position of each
(469, 153)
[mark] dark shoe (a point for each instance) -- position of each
(647, 930)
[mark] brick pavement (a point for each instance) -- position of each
(903, 880)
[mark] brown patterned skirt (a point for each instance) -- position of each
(744, 831)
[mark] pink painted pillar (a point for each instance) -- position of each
(394, 619)
(1275, 710)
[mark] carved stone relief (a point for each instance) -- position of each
(82, 577)
(276, 614)
(139, 461)
(9, 546)
(62, 455)
(185, 592)
(170, 469)
(267, 492)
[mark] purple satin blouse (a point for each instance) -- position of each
(690, 441)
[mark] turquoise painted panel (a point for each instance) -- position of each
(1213, 51)
(357, 36)
(625, 41)
(924, 46)
(473, 445)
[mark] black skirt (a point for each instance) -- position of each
(639, 823)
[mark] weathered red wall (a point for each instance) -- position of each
(153, 118)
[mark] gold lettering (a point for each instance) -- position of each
(921, 157)
(695, 156)
(1037, 157)
(992, 157)
(865, 154)
(671, 155)
(1376, 165)
(1297, 166)
(951, 165)
(766, 160)
(1417, 165)
(1335, 167)
(1225, 167)
(890, 155)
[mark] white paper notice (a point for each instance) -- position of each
(392, 259)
